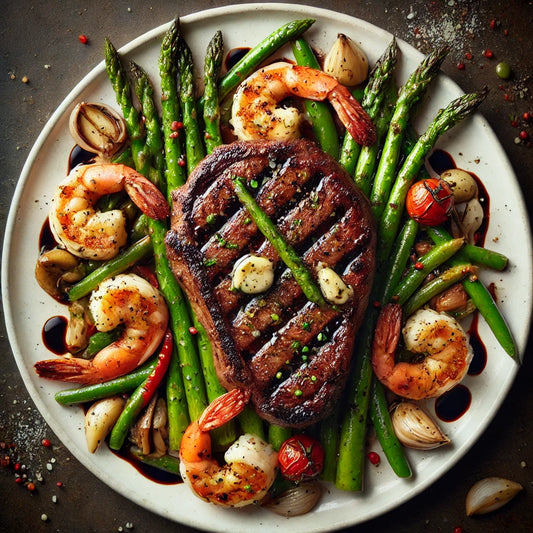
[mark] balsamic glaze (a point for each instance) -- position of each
(150, 472)
(53, 334)
(453, 404)
(479, 361)
(234, 56)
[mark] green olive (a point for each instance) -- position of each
(503, 70)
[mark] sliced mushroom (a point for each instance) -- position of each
(55, 269)
(140, 432)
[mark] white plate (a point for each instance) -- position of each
(473, 146)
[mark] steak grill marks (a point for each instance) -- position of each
(292, 356)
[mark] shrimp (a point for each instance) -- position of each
(127, 300)
(91, 234)
(436, 336)
(251, 463)
(256, 114)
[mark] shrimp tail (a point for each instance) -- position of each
(73, 369)
(146, 196)
(386, 338)
(223, 409)
(353, 116)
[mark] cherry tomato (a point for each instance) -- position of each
(301, 457)
(430, 201)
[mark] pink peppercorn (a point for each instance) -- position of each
(374, 458)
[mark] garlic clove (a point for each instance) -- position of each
(297, 500)
(490, 494)
(462, 184)
(99, 420)
(97, 128)
(346, 62)
(471, 220)
(332, 286)
(415, 428)
(253, 274)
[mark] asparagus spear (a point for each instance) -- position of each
(410, 94)
(178, 307)
(298, 269)
(116, 75)
(154, 140)
(171, 109)
(194, 145)
(212, 64)
(445, 119)
(372, 102)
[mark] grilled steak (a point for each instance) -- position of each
(292, 356)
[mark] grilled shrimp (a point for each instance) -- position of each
(256, 114)
(437, 337)
(87, 232)
(251, 463)
(127, 300)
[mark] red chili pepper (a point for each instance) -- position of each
(524, 135)
(83, 39)
(488, 54)
(526, 116)
(429, 201)
(46, 443)
(460, 65)
(301, 457)
(154, 379)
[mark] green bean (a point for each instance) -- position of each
(486, 305)
(319, 113)
(434, 287)
(400, 256)
(99, 340)
(300, 272)
(379, 413)
(98, 391)
(260, 52)
(167, 463)
(212, 65)
(439, 254)
(118, 264)
(475, 254)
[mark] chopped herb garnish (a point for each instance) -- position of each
(306, 326)
(321, 336)
(295, 345)
(298, 392)
(278, 375)
(211, 218)
(210, 262)
(274, 317)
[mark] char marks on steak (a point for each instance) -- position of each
(292, 356)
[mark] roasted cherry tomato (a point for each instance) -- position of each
(430, 201)
(301, 457)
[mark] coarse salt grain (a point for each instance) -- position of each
(44, 517)
(54, 498)
(49, 467)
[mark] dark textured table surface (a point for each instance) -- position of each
(41, 61)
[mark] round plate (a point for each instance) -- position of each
(473, 146)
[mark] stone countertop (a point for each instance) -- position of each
(42, 60)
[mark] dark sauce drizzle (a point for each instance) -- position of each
(53, 334)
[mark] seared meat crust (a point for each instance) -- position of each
(292, 356)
